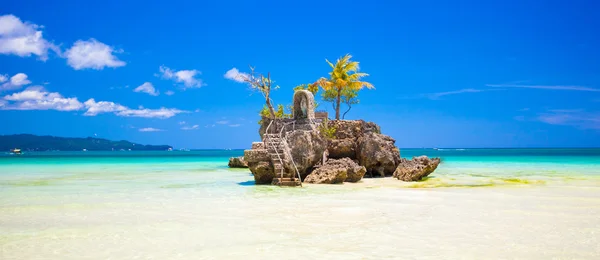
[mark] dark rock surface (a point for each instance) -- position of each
(416, 169)
(307, 149)
(263, 172)
(337, 171)
(378, 154)
(237, 162)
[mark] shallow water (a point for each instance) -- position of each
(521, 203)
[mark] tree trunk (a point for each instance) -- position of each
(337, 104)
(270, 106)
(344, 115)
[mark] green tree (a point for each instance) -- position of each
(345, 76)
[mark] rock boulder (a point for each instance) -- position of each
(416, 169)
(337, 171)
(263, 172)
(378, 154)
(307, 149)
(237, 162)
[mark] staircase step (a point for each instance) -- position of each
(284, 179)
(294, 183)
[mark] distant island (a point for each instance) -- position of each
(28, 142)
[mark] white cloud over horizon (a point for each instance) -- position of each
(571, 117)
(92, 54)
(23, 39)
(187, 77)
(235, 75)
(150, 129)
(38, 98)
(147, 88)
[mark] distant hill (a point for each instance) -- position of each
(29, 142)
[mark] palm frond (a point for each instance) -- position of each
(330, 64)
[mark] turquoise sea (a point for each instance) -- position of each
(536, 203)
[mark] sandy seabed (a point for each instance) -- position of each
(79, 218)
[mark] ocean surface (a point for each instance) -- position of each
(478, 204)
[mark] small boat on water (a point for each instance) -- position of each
(16, 151)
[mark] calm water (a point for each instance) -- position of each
(536, 203)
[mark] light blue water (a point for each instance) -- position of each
(470, 167)
(537, 203)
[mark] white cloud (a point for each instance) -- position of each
(161, 113)
(19, 79)
(571, 117)
(16, 81)
(37, 98)
(187, 77)
(455, 92)
(95, 108)
(182, 122)
(558, 87)
(235, 75)
(194, 127)
(92, 54)
(222, 122)
(150, 129)
(148, 88)
(235, 125)
(207, 126)
(23, 38)
(169, 93)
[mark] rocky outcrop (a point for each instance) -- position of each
(355, 149)
(363, 141)
(237, 162)
(307, 149)
(378, 154)
(355, 171)
(342, 148)
(263, 172)
(337, 171)
(416, 169)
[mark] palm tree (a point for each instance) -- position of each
(344, 76)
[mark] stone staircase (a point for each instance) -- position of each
(276, 148)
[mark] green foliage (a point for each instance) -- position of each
(279, 113)
(344, 78)
(312, 87)
(347, 96)
(326, 130)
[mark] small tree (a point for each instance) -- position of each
(262, 84)
(349, 97)
(343, 77)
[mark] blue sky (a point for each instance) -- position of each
(466, 74)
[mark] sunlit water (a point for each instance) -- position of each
(479, 204)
